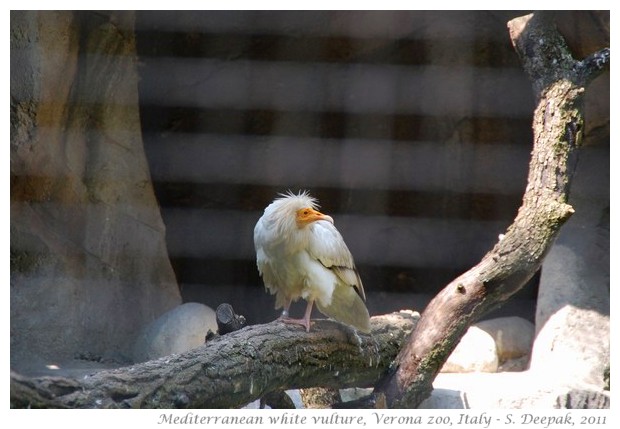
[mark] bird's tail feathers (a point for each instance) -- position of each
(347, 307)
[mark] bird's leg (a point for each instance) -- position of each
(306, 319)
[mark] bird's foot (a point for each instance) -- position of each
(303, 322)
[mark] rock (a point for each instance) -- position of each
(490, 342)
(572, 319)
(89, 263)
(445, 399)
(579, 339)
(181, 329)
(513, 336)
(515, 365)
(293, 394)
(509, 390)
(476, 352)
(354, 393)
(584, 399)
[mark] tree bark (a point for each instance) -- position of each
(320, 397)
(232, 370)
(559, 83)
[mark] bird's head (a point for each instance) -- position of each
(306, 215)
(300, 210)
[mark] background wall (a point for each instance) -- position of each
(412, 128)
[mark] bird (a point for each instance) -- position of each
(301, 254)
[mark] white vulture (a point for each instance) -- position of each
(300, 253)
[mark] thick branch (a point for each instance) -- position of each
(558, 82)
(546, 57)
(234, 369)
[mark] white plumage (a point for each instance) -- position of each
(300, 253)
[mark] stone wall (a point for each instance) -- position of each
(89, 264)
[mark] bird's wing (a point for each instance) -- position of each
(328, 247)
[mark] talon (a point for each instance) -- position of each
(303, 322)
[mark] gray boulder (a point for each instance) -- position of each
(486, 344)
(181, 329)
(572, 321)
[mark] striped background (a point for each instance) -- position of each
(412, 128)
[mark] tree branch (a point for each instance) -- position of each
(558, 81)
(232, 370)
